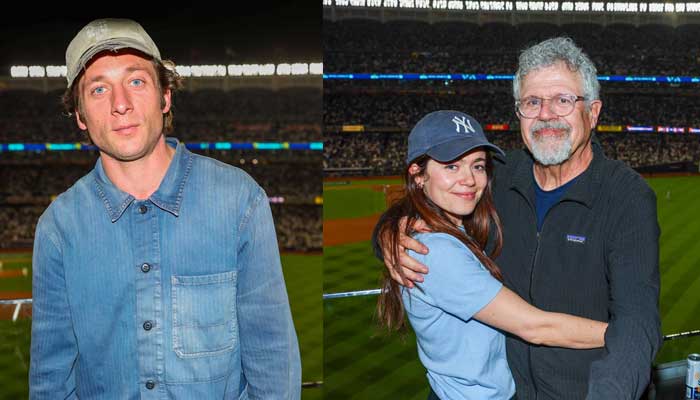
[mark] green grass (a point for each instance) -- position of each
(383, 181)
(303, 279)
(359, 364)
(302, 274)
(679, 304)
(16, 261)
(14, 359)
(352, 202)
(350, 267)
(354, 199)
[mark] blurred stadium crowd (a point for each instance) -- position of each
(387, 109)
(252, 114)
(384, 153)
(31, 180)
(457, 47)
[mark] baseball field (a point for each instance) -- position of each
(361, 362)
(302, 274)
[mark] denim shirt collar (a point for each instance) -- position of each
(168, 197)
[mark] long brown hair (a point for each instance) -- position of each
(416, 205)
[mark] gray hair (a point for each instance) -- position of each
(552, 51)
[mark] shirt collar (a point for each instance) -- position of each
(584, 190)
(168, 197)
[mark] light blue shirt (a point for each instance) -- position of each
(465, 359)
(180, 296)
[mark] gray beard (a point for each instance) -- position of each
(548, 153)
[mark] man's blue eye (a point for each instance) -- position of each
(137, 82)
(99, 90)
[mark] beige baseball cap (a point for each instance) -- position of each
(106, 34)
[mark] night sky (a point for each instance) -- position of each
(274, 32)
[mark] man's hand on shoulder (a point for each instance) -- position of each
(412, 269)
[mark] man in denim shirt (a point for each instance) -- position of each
(157, 275)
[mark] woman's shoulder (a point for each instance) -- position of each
(443, 246)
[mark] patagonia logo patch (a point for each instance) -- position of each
(576, 238)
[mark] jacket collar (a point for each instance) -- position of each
(168, 197)
(584, 190)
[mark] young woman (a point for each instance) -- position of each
(460, 309)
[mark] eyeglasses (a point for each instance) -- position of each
(561, 105)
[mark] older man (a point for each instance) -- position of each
(157, 275)
(580, 235)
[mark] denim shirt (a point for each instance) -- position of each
(180, 296)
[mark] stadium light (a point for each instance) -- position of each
(36, 71)
(551, 6)
(471, 5)
(19, 71)
(455, 5)
(208, 70)
(525, 6)
(235, 70)
(284, 69)
(582, 6)
(267, 69)
(316, 68)
(422, 3)
(251, 69)
(55, 71)
(300, 69)
(184, 70)
(624, 7)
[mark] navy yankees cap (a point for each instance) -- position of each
(445, 135)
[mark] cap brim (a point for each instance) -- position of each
(453, 149)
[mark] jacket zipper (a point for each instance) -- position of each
(532, 279)
(532, 301)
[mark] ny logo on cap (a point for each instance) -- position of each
(463, 122)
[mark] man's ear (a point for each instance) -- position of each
(596, 106)
(79, 120)
(167, 98)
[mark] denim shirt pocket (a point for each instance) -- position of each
(204, 314)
